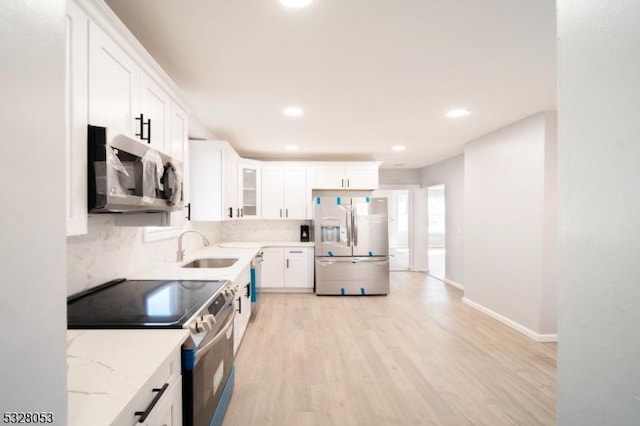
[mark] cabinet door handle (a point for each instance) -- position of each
(342, 184)
(242, 212)
(295, 251)
(142, 124)
(144, 414)
(348, 183)
(248, 287)
(238, 213)
(231, 212)
(280, 212)
(240, 305)
(287, 263)
(141, 134)
(287, 212)
(189, 211)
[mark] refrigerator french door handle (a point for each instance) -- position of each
(347, 220)
(354, 226)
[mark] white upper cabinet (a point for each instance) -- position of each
(213, 182)
(178, 147)
(327, 177)
(155, 115)
(362, 177)
(77, 108)
(249, 187)
(344, 176)
(113, 85)
(295, 192)
(284, 192)
(110, 81)
(230, 181)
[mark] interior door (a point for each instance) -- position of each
(370, 227)
(332, 218)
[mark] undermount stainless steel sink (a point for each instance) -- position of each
(211, 263)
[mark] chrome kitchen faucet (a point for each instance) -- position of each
(180, 254)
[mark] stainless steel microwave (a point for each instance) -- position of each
(126, 175)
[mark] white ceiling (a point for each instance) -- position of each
(369, 74)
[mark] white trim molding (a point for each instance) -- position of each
(454, 284)
(541, 338)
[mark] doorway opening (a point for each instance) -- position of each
(399, 203)
(436, 217)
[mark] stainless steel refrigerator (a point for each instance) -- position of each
(352, 245)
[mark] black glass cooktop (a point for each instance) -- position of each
(139, 304)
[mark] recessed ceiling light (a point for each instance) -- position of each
(457, 113)
(293, 111)
(398, 148)
(291, 148)
(295, 4)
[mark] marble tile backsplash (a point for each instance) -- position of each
(109, 251)
(262, 230)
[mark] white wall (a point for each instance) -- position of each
(32, 294)
(450, 173)
(506, 194)
(398, 176)
(599, 226)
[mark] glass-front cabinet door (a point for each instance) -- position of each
(249, 190)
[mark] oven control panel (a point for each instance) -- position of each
(211, 317)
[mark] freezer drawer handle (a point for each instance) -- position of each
(144, 414)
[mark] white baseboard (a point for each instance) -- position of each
(542, 338)
(454, 284)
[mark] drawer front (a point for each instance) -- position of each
(295, 252)
(167, 373)
(168, 410)
(346, 270)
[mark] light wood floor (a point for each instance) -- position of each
(418, 356)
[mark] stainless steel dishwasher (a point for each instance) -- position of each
(256, 282)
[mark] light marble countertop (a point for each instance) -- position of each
(252, 244)
(107, 368)
(243, 251)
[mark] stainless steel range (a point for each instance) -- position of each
(205, 308)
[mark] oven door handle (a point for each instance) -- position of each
(221, 334)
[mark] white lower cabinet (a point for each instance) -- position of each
(167, 409)
(242, 306)
(287, 269)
